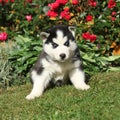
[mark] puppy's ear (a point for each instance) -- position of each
(72, 29)
(44, 35)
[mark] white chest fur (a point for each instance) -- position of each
(59, 68)
(55, 67)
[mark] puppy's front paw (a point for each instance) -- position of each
(83, 87)
(30, 97)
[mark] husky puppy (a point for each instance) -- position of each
(59, 60)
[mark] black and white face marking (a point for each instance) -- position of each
(55, 45)
(59, 43)
(67, 43)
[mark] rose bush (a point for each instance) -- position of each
(25, 17)
(97, 30)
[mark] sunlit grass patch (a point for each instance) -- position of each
(101, 101)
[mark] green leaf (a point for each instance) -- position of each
(22, 40)
(113, 69)
(88, 58)
(110, 58)
(37, 48)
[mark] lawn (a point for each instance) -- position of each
(100, 102)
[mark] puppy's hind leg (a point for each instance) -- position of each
(39, 84)
(77, 78)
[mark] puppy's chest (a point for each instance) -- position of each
(56, 68)
(62, 68)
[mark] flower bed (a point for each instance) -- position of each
(97, 33)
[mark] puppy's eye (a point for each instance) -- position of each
(54, 45)
(66, 43)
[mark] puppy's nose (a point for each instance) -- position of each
(62, 56)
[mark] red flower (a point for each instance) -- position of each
(111, 4)
(3, 36)
(51, 13)
(4, 1)
(75, 2)
(12, 1)
(65, 14)
(89, 17)
(93, 37)
(62, 2)
(30, 1)
(114, 13)
(113, 18)
(28, 17)
(66, 9)
(54, 5)
(92, 3)
(88, 36)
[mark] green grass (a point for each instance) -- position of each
(101, 102)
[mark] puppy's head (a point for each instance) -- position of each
(59, 42)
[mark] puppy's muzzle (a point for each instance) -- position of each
(62, 56)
